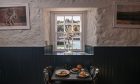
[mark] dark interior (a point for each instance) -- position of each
(118, 65)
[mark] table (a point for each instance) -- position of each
(71, 78)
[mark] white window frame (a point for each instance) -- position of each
(53, 28)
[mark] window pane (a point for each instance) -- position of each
(73, 44)
(68, 28)
(76, 19)
(76, 43)
(60, 28)
(60, 36)
(60, 19)
(68, 19)
(60, 45)
(76, 35)
(68, 44)
(76, 28)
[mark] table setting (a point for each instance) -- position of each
(77, 73)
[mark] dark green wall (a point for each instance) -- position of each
(24, 65)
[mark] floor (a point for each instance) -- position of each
(72, 82)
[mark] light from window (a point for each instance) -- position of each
(65, 23)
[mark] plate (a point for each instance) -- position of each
(62, 72)
(75, 70)
(83, 76)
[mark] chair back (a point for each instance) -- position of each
(47, 74)
(94, 71)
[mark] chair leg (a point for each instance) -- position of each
(94, 82)
(49, 83)
(45, 81)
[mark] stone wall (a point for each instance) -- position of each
(107, 35)
(91, 36)
(99, 23)
(25, 38)
(89, 27)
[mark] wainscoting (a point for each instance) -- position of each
(118, 65)
(24, 65)
(21, 65)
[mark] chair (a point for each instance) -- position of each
(94, 73)
(47, 74)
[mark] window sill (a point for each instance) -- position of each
(62, 53)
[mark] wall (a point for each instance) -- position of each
(108, 36)
(104, 34)
(91, 36)
(69, 5)
(21, 65)
(118, 65)
(89, 20)
(24, 65)
(24, 38)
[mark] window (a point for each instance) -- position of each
(68, 28)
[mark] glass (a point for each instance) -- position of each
(60, 20)
(60, 45)
(60, 36)
(68, 44)
(76, 19)
(76, 28)
(76, 35)
(76, 43)
(68, 28)
(68, 19)
(60, 28)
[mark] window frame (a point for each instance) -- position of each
(53, 27)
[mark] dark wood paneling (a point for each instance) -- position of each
(118, 65)
(20, 65)
(24, 65)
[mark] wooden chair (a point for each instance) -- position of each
(94, 73)
(47, 72)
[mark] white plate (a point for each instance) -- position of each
(86, 75)
(57, 72)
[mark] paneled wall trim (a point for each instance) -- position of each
(24, 65)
